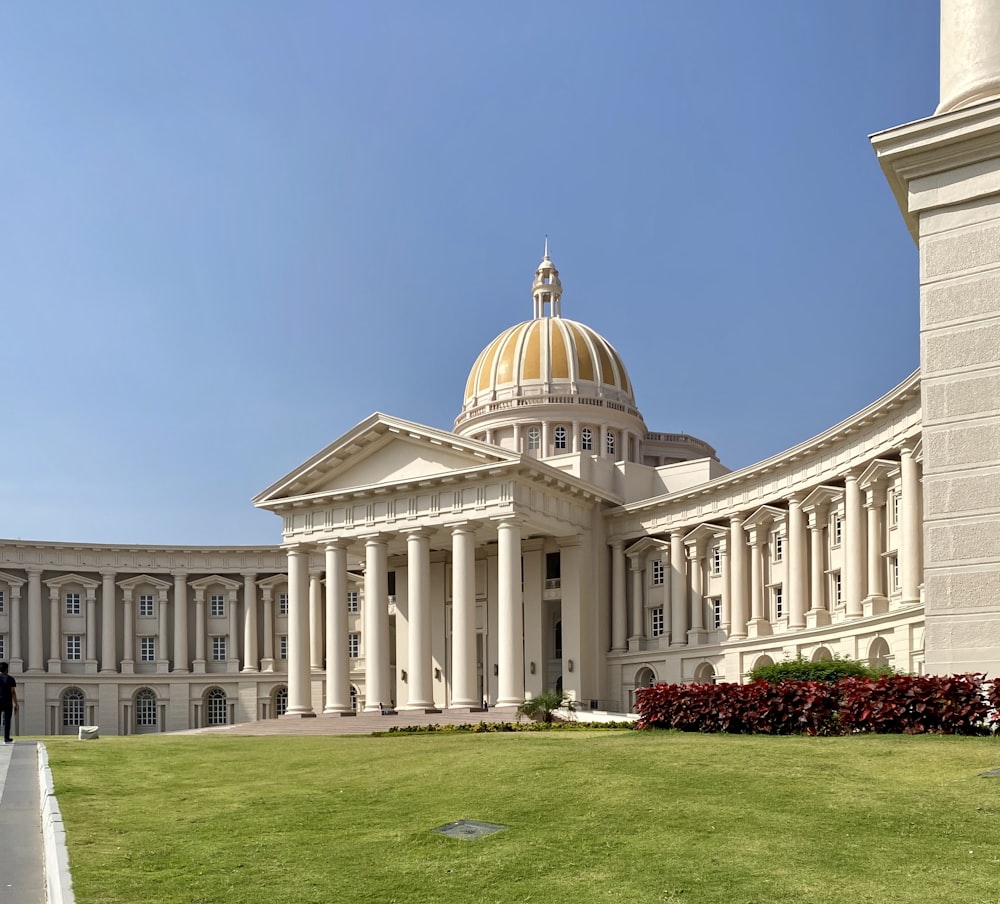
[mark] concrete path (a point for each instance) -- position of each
(22, 867)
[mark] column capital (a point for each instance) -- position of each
(34, 569)
(250, 575)
(175, 574)
(339, 543)
(417, 532)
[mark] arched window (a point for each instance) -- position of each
(280, 701)
(145, 708)
(534, 438)
(587, 439)
(645, 677)
(878, 653)
(72, 707)
(822, 654)
(704, 674)
(217, 706)
(560, 438)
(610, 443)
(763, 660)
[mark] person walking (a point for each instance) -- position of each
(8, 700)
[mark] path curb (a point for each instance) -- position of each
(58, 881)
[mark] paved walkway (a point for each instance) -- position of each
(22, 867)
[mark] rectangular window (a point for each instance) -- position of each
(282, 604)
(219, 649)
(656, 628)
(716, 611)
(779, 547)
(894, 508)
(72, 603)
(779, 603)
(657, 572)
(894, 571)
(391, 581)
(147, 649)
(146, 604)
(353, 645)
(73, 646)
(217, 604)
(837, 530)
(283, 646)
(3, 646)
(838, 588)
(352, 601)
(1, 601)
(716, 560)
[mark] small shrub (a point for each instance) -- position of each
(800, 669)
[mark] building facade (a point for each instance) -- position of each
(551, 540)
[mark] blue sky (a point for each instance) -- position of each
(229, 231)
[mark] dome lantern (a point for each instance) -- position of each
(547, 289)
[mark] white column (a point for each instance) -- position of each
(678, 591)
(199, 629)
(619, 609)
(546, 449)
(109, 651)
(759, 625)
(738, 576)
(128, 629)
(55, 630)
(91, 654)
(16, 661)
(576, 436)
(970, 53)
(338, 667)
(420, 676)
(36, 654)
(818, 614)
(250, 650)
(182, 661)
(875, 602)
(299, 685)
(696, 634)
(727, 607)
(163, 631)
(232, 641)
(378, 686)
(638, 632)
(267, 660)
(910, 562)
(510, 630)
(463, 618)
(797, 586)
(854, 561)
(315, 620)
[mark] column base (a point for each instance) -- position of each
(817, 618)
(181, 671)
(874, 605)
(305, 714)
(54, 666)
(162, 666)
(697, 637)
(335, 710)
(267, 665)
(249, 668)
(759, 627)
(90, 667)
(635, 643)
(16, 665)
(127, 667)
(198, 667)
(471, 704)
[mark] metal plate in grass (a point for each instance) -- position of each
(469, 829)
(993, 773)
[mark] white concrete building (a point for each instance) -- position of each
(552, 540)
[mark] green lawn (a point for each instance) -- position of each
(593, 816)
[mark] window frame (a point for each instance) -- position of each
(147, 648)
(74, 647)
(73, 603)
(219, 647)
(217, 605)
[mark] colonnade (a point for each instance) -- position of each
(809, 584)
(108, 623)
(380, 683)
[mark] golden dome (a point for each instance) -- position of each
(548, 356)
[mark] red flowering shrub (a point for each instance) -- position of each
(901, 704)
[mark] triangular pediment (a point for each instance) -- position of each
(383, 451)
(10, 580)
(64, 579)
(146, 580)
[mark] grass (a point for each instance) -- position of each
(602, 816)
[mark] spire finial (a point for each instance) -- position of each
(546, 255)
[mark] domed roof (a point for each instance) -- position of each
(548, 354)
